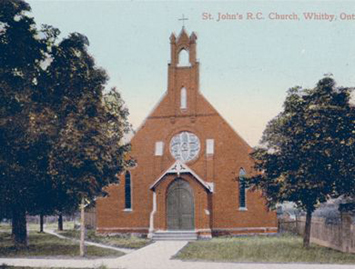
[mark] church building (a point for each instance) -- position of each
(190, 167)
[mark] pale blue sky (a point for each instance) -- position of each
(246, 66)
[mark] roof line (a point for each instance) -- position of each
(180, 168)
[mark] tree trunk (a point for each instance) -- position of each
(82, 228)
(60, 222)
(19, 228)
(41, 222)
(307, 229)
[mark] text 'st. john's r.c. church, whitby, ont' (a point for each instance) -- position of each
(190, 167)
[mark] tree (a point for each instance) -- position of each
(21, 158)
(56, 131)
(88, 152)
(307, 152)
(86, 157)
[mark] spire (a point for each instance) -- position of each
(172, 38)
(193, 37)
(183, 36)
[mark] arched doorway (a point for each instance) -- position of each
(180, 206)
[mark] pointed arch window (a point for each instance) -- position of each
(128, 191)
(184, 58)
(183, 98)
(242, 195)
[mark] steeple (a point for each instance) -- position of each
(183, 74)
(183, 42)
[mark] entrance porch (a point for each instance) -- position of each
(181, 205)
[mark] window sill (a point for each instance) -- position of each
(127, 210)
(243, 209)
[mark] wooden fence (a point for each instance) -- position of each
(339, 235)
(90, 218)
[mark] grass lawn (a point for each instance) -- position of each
(67, 225)
(4, 226)
(45, 245)
(132, 242)
(286, 248)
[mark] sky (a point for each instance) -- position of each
(248, 60)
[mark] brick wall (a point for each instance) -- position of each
(231, 153)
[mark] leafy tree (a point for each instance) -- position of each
(21, 54)
(59, 140)
(86, 155)
(87, 152)
(307, 154)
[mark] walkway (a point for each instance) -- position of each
(157, 256)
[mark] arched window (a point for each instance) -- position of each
(184, 58)
(183, 99)
(242, 196)
(128, 191)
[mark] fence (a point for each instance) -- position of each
(339, 236)
(51, 219)
(90, 218)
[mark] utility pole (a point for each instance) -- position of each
(82, 228)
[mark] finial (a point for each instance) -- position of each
(193, 37)
(183, 19)
(172, 37)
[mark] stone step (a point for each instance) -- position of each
(176, 232)
(175, 235)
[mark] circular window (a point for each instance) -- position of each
(185, 146)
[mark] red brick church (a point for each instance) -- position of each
(190, 169)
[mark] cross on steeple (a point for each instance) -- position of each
(183, 19)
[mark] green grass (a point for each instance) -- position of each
(5, 227)
(132, 242)
(45, 245)
(285, 249)
(67, 225)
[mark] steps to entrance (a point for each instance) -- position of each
(175, 236)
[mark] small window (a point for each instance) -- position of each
(242, 183)
(184, 58)
(128, 191)
(159, 146)
(209, 146)
(183, 97)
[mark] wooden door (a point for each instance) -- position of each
(180, 206)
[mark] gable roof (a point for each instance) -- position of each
(180, 168)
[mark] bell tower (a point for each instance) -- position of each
(183, 75)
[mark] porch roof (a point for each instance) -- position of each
(180, 168)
